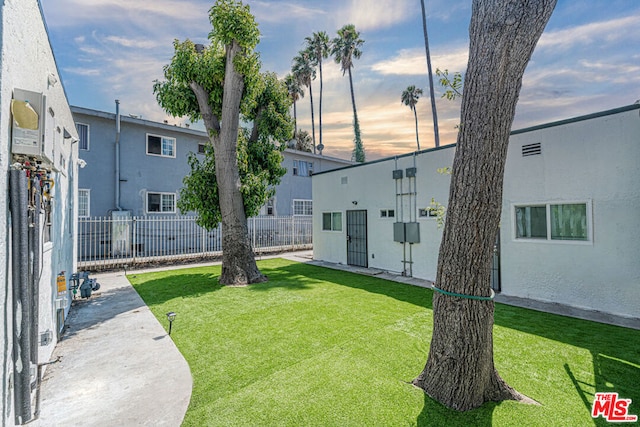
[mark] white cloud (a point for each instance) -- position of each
(373, 15)
(286, 13)
(412, 62)
(610, 31)
(134, 43)
(82, 71)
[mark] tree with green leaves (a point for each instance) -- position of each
(410, 98)
(302, 141)
(304, 70)
(218, 84)
(318, 45)
(295, 93)
(460, 371)
(344, 49)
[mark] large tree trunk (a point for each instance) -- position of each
(238, 262)
(460, 372)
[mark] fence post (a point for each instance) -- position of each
(134, 226)
(204, 240)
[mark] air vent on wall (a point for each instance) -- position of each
(532, 149)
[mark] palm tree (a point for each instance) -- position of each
(295, 92)
(410, 98)
(433, 98)
(318, 46)
(344, 49)
(305, 72)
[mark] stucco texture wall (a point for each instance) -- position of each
(27, 63)
(372, 186)
(590, 160)
(595, 162)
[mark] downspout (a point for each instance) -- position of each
(21, 298)
(117, 174)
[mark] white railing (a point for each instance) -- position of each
(119, 241)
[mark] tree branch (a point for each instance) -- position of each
(211, 121)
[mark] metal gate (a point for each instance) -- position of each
(495, 266)
(357, 238)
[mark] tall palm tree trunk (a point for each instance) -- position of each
(320, 109)
(415, 115)
(431, 91)
(313, 120)
(295, 120)
(358, 149)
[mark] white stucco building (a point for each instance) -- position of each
(38, 159)
(568, 227)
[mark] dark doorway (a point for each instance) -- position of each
(357, 238)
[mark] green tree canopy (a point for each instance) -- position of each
(220, 84)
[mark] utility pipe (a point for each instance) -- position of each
(21, 300)
(117, 173)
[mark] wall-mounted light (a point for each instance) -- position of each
(171, 316)
(355, 202)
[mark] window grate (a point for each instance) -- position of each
(532, 149)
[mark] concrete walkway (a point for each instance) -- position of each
(117, 366)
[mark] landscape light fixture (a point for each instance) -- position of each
(171, 316)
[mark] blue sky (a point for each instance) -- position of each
(587, 60)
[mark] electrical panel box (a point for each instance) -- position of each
(406, 232)
(412, 232)
(411, 172)
(398, 232)
(397, 174)
(28, 110)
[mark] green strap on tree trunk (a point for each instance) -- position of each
(454, 294)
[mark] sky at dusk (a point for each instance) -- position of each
(588, 60)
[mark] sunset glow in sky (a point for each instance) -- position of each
(586, 61)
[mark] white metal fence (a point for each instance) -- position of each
(117, 241)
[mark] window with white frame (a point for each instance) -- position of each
(84, 203)
(302, 207)
(553, 221)
(161, 146)
(161, 202)
(387, 213)
(332, 221)
(427, 213)
(270, 207)
(302, 168)
(83, 136)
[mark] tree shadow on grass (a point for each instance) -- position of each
(310, 274)
(434, 414)
(159, 291)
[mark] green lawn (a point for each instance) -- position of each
(321, 347)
